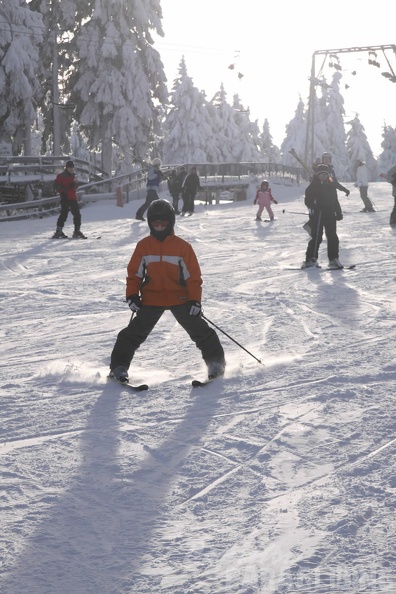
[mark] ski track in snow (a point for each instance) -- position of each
(278, 479)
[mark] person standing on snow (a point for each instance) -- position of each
(326, 160)
(66, 184)
(325, 211)
(154, 179)
(391, 178)
(263, 199)
(191, 185)
(164, 274)
(362, 184)
(174, 187)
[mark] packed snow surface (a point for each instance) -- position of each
(280, 478)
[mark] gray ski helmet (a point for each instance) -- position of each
(156, 162)
(326, 156)
(322, 168)
(265, 182)
(161, 210)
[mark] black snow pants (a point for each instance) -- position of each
(140, 326)
(74, 208)
(322, 219)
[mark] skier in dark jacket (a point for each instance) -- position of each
(66, 184)
(174, 187)
(154, 178)
(326, 160)
(391, 178)
(190, 187)
(325, 211)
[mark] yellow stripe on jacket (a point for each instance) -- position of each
(166, 273)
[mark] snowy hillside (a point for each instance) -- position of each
(281, 478)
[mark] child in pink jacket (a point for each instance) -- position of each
(264, 198)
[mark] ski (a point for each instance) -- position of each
(137, 388)
(350, 267)
(77, 238)
(269, 220)
(320, 269)
(200, 384)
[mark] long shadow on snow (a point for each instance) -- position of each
(95, 537)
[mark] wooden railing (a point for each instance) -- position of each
(35, 175)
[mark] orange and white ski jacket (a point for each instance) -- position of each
(165, 273)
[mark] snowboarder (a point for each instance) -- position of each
(264, 198)
(164, 274)
(154, 179)
(66, 184)
(191, 185)
(362, 184)
(325, 211)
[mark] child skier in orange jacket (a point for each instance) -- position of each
(164, 273)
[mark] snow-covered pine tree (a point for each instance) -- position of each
(321, 135)
(249, 134)
(269, 151)
(189, 136)
(119, 75)
(387, 158)
(336, 129)
(295, 137)
(61, 20)
(21, 34)
(359, 148)
(227, 131)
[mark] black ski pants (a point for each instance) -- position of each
(393, 213)
(150, 197)
(363, 191)
(175, 200)
(74, 208)
(140, 326)
(320, 220)
(188, 200)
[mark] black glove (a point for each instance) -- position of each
(63, 196)
(134, 303)
(347, 194)
(339, 216)
(195, 308)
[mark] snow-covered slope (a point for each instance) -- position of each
(279, 478)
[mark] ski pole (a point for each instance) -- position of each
(317, 234)
(306, 214)
(233, 340)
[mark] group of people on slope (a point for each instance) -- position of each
(164, 273)
(180, 184)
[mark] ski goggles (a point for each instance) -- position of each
(159, 223)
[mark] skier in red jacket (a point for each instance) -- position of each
(66, 185)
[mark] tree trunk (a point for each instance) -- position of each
(107, 153)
